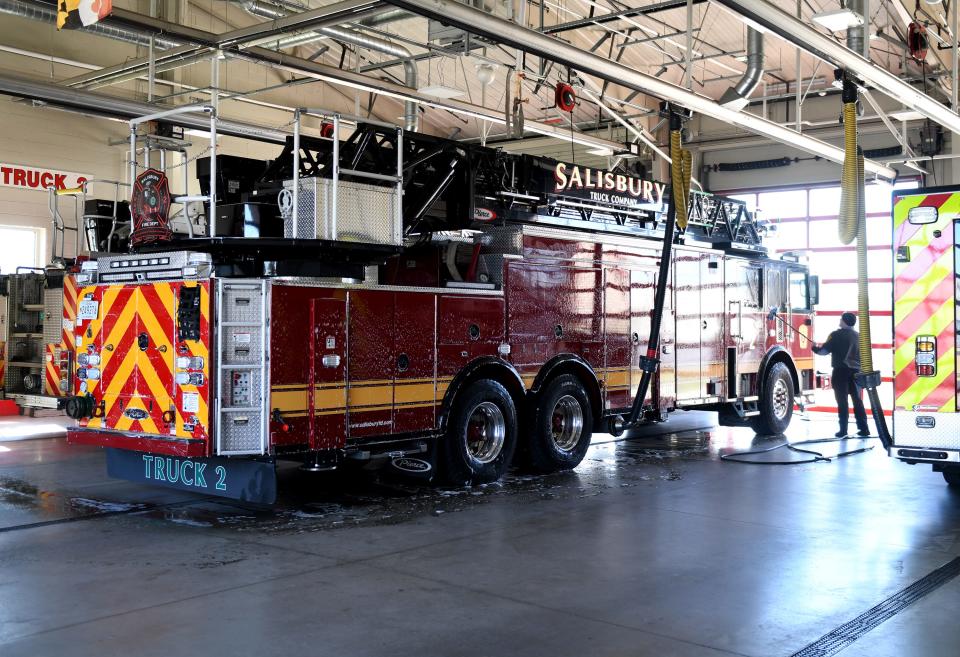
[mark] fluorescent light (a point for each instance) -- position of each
(906, 115)
(440, 91)
(601, 151)
(838, 20)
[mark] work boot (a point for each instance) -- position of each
(864, 433)
(840, 434)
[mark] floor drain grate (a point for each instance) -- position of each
(838, 639)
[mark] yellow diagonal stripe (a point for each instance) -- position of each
(921, 288)
(938, 321)
(924, 385)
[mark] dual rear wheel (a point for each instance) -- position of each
(483, 431)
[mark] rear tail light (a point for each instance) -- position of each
(926, 359)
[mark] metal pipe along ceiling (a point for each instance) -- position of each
(738, 96)
(802, 35)
(49, 15)
(102, 104)
(410, 113)
(531, 41)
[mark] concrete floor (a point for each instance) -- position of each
(652, 547)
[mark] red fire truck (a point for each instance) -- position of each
(440, 306)
(926, 239)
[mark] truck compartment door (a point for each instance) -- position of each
(327, 375)
(686, 285)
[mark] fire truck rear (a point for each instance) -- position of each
(444, 308)
(926, 425)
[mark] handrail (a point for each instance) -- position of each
(336, 171)
(212, 198)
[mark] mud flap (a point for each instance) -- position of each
(247, 480)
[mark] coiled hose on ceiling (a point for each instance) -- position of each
(853, 226)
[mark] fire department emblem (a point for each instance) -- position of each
(149, 208)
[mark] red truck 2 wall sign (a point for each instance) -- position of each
(24, 177)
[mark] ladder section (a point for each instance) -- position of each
(243, 374)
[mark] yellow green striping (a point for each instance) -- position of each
(934, 325)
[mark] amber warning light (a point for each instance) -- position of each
(926, 355)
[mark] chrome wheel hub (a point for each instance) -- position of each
(781, 399)
(486, 432)
(566, 423)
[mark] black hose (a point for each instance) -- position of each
(737, 457)
(650, 362)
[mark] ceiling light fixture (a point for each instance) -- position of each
(441, 91)
(906, 115)
(838, 20)
(601, 151)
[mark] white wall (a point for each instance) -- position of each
(53, 140)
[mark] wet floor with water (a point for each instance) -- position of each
(652, 546)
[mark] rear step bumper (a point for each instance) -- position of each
(138, 442)
(925, 454)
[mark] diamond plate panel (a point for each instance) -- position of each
(945, 434)
(241, 346)
(240, 432)
(53, 315)
(241, 304)
(367, 214)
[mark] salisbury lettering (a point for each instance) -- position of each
(572, 177)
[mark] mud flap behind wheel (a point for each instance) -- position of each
(248, 480)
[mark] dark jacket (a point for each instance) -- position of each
(843, 345)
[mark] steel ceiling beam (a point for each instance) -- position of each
(341, 12)
(111, 106)
(795, 31)
(618, 15)
(542, 45)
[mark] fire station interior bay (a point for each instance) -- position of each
(353, 327)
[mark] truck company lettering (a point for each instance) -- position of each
(628, 189)
(16, 175)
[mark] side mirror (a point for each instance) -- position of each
(813, 290)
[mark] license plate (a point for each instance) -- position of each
(241, 479)
(88, 309)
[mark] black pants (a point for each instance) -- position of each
(844, 386)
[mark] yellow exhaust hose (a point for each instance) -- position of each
(680, 175)
(853, 225)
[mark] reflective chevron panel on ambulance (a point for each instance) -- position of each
(148, 372)
(924, 311)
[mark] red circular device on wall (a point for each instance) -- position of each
(565, 98)
(917, 41)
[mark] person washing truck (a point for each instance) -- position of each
(842, 346)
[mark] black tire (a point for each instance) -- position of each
(952, 477)
(776, 402)
(560, 427)
(481, 435)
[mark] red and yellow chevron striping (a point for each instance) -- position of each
(135, 333)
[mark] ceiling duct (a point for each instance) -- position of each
(411, 116)
(48, 14)
(738, 96)
(855, 33)
(800, 34)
